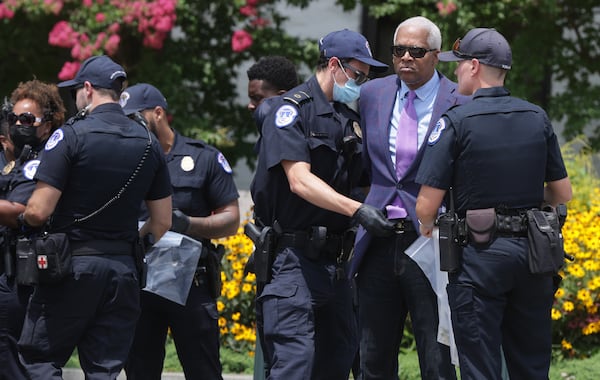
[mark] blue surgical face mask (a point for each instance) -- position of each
(347, 93)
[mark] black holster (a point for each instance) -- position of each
(212, 256)
(142, 246)
(265, 242)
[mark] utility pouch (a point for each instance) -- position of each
(26, 266)
(53, 253)
(449, 249)
(316, 241)
(481, 225)
(213, 258)
(546, 253)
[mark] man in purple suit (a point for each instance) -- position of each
(398, 113)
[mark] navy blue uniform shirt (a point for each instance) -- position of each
(311, 132)
(90, 161)
(495, 151)
(201, 177)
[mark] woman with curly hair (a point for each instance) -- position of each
(37, 110)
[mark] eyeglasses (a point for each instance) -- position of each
(360, 76)
(458, 53)
(414, 51)
(26, 119)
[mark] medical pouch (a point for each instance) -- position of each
(53, 255)
(546, 252)
(481, 225)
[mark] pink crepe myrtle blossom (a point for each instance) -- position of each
(240, 41)
(69, 70)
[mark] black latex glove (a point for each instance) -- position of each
(374, 221)
(180, 222)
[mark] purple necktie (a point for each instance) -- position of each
(406, 138)
(406, 149)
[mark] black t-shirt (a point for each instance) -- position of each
(89, 161)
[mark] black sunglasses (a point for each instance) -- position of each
(458, 53)
(360, 76)
(26, 119)
(414, 51)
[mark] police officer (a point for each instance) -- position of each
(269, 77)
(496, 152)
(94, 173)
(205, 201)
(308, 162)
(38, 110)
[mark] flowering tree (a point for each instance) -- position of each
(191, 50)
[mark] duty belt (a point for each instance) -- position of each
(300, 240)
(101, 247)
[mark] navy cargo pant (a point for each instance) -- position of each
(195, 332)
(497, 304)
(13, 301)
(95, 310)
(306, 320)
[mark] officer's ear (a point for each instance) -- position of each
(159, 114)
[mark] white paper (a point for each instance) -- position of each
(426, 253)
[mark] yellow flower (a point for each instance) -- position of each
(220, 306)
(568, 306)
(566, 345)
(556, 314)
(559, 293)
(235, 316)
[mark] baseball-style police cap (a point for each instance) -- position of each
(348, 44)
(100, 71)
(141, 97)
(486, 45)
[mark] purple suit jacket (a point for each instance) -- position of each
(376, 104)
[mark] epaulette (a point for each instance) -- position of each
(78, 116)
(299, 98)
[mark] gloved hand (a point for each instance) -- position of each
(374, 221)
(180, 222)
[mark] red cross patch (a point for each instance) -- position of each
(42, 262)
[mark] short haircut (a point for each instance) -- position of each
(46, 96)
(434, 36)
(278, 73)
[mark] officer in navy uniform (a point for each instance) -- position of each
(38, 110)
(7, 156)
(205, 202)
(97, 168)
(495, 152)
(309, 161)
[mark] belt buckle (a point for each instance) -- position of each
(399, 226)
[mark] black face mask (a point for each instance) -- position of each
(23, 135)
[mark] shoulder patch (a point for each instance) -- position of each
(223, 162)
(298, 98)
(437, 132)
(285, 115)
(30, 168)
(53, 141)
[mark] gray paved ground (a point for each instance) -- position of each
(76, 374)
